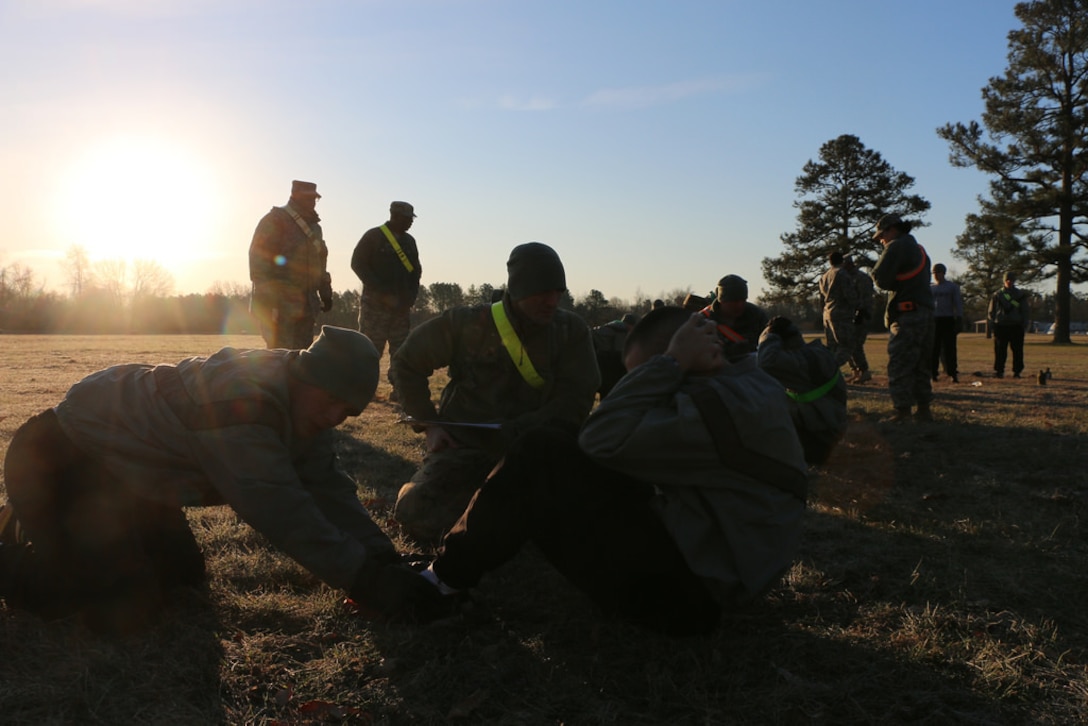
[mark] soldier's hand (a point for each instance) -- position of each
(438, 439)
(696, 346)
(326, 305)
(394, 593)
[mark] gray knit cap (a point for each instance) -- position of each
(534, 268)
(343, 362)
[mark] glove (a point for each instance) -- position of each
(326, 304)
(779, 325)
(395, 593)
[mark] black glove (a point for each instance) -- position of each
(779, 325)
(395, 593)
(326, 305)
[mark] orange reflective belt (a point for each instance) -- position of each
(724, 329)
(514, 346)
(916, 270)
(396, 248)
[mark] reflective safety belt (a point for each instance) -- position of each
(306, 229)
(724, 329)
(514, 346)
(815, 392)
(1010, 300)
(396, 248)
(917, 270)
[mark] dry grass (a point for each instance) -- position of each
(942, 581)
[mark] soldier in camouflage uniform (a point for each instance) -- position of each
(97, 484)
(840, 296)
(739, 321)
(903, 270)
(386, 259)
(540, 372)
(287, 265)
(859, 363)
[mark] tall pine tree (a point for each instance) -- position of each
(1035, 142)
(841, 197)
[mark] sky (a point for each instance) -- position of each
(655, 145)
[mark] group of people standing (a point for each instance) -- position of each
(922, 318)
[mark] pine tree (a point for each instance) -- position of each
(841, 197)
(1035, 141)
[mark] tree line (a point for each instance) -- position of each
(1032, 143)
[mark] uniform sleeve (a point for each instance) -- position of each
(255, 474)
(263, 250)
(426, 349)
(362, 259)
(644, 428)
(885, 269)
(577, 379)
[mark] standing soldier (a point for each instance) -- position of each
(839, 293)
(386, 259)
(859, 363)
(287, 265)
(947, 322)
(1008, 315)
(903, 270)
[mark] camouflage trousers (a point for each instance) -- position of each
(910, 342)
(294, 334)
(858, 361)
(438, 493)
(839, 335)
(383, 324)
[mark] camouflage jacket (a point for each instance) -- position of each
(288, 267)
(218, 430)
(484, 384)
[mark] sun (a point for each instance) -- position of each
(138, 198)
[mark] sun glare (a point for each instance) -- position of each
(138, 198)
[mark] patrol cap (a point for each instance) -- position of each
(533, 268)
(302, 188)
(403, 209)
(343, 362)
(887, 222)
(732, 288)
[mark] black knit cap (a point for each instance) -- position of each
(343, 362)
(534, 268)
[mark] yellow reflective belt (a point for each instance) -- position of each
(816, 392)
(514, 346)
(396, 248)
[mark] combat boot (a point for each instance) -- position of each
(923, 413)
(863, 376)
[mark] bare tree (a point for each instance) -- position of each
(150, 279)
(77, 265)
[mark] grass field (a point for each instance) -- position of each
(943, 579)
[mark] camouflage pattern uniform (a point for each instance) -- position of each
(99, 482)
(290, 280)
(903, 270)
(1009, 319)
(389, 289)
(749, 324)
(839, 292)
(485, 387)
(859, 363)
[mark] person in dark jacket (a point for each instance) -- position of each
(95, 526)
(903, 271)
(1009, 318)
(386, 259)
(287, 266)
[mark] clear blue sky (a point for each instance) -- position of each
(655, 145)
